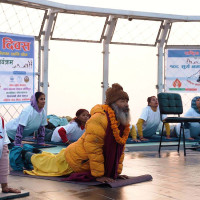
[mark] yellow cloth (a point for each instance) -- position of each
(139, 127)
(48, 164)
(140, 131)
(133, 133)
(167, 127)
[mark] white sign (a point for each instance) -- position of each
(182, 70)
(16, 68)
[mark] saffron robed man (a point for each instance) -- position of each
(99, 153)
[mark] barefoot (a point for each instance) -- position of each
(136, 140)
(144, 139)
(123, 177)
(10, 190)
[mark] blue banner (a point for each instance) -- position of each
(17, 71)
(183, 53)
(16, 46)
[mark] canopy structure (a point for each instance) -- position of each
(58, 21)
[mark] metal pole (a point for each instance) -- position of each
(105, 70)
(166, 27)
(107, 39)
(39, 64)
(160, 70)
(45, 63)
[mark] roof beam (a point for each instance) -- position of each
(86, 10)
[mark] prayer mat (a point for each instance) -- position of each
(13, 195)
(154, 139)
(31, 139)
(195, 140)
(195, 147)
(117, 183)
(130, 181)
(39, 146)
(157, 139)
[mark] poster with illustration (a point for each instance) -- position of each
(16, 68)
(182, 70)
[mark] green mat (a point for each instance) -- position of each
(13, 195)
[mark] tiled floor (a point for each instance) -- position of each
(174, 177)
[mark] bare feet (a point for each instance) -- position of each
(123, 177)
(10, 190)
(104, 179)
(136, 140)
(143, 139)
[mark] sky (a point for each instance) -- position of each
(75, 69)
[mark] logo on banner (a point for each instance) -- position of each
(12, 79)
(26, 79)
(177, 83)
(19, 79)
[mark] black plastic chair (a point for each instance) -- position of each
(171, 103)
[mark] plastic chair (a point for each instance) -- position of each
(171, 103)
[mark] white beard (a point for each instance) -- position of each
(122, 115)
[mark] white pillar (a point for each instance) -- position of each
(45, 54)
(107, 39)
(161, 55)
(39, 64)
(105, 70)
